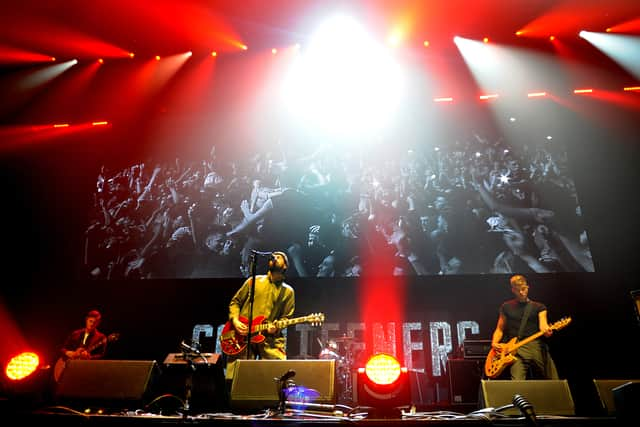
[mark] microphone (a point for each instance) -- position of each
(526, 408)
(187, 347)
(289, 374)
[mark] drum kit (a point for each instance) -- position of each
(341, 350)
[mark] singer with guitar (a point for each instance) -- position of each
(518, 319)
(85, 343)
(273, 301)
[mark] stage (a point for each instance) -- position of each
(135, 392)
(72, 417)
(169, 410)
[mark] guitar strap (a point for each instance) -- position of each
(525, 317)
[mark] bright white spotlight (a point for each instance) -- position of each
(477, 54)
(623, 49)
(344, 82)
(46, 74)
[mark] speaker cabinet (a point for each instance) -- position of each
(464, 380)
(106, 382)
(255, 386)
(605, 387)
(548, 397)
(626, 398)
(476, 349)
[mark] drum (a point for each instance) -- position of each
(328, 354)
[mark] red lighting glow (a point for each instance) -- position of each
(631, 26)
(426, 43)
(214, 53)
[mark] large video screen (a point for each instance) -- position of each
(477, 205)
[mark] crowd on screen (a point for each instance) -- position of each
(476, 206)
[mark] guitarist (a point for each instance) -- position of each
(77, 343)
(522, 317)
(274, 299)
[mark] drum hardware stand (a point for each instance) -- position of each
(284, 382)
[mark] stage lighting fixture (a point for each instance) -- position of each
(383, 385)
(26, 380)
(21, 366)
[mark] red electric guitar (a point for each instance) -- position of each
(233, 343)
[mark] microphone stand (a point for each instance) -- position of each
(251, 298)
(188, 382)
(284, 382)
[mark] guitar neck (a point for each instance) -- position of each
(96, 345)
(104, 340)
(558, 325)
(526, 341)
(280, 323)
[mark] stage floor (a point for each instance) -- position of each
(273, 420)
(13, 414)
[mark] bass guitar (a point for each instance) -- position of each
(232, 343)
(61, 363)
(497, 361)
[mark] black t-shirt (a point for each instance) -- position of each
(513, 311)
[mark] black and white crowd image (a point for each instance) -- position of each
(477, 205)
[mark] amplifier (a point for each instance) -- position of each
(464, 380)
(476, 349)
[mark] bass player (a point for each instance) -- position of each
(519, 318)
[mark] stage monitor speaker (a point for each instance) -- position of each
(255, 386)
(108, 383)
(548, 397)
(605, 387)
(464, 380)
(627, 398)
